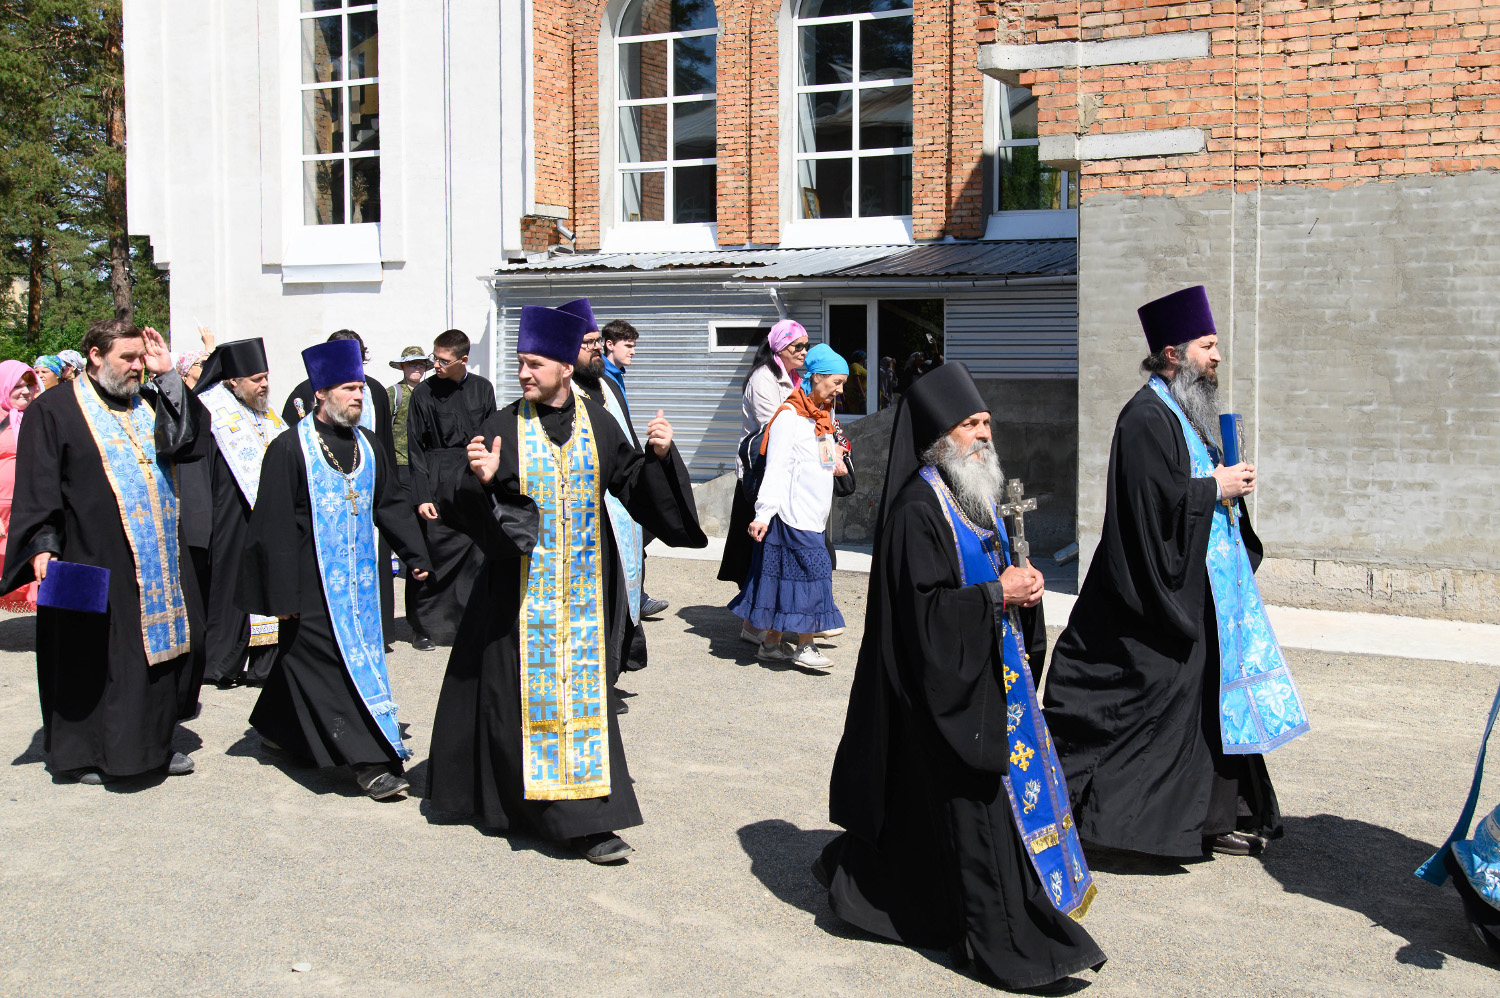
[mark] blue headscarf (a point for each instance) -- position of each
(821, 359)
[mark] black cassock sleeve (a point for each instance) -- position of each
(36, 511)
(657, 491)
(394, 514)
(179, 414)
(280, 527)
(419, 422)
(946, 649)
(1156, 537)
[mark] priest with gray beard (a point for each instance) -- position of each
(1167, 686)
(958, 831)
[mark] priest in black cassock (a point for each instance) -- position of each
(95, 486)
(310, 559)
(375, 416)
(959, 835)
(235, 391)
(1168, 685)
(446, 411)
(525, 734)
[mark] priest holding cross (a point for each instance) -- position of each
(311, 559)
(959, 832)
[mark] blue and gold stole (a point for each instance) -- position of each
(242, 436)
(343, 523)
(628, 536)
(1041, 810)
(1259, 708)
(145, 489)
(564, 693)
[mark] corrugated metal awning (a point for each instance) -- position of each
(979, 258)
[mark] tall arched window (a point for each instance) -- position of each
(666, 112)
(854, 123)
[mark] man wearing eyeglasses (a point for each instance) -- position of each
(445, 413)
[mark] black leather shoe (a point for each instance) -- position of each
(622, 707)
(378, 783)
(601, 847)
(422, 643)
(1234, 844)
(181, 765)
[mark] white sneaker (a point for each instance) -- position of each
(750, 634)
(830, 633)
(782, 651)
(809, 656)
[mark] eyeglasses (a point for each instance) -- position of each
(437, 361)
(593, 343)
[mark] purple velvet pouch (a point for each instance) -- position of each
(71, 586)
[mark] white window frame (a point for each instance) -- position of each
(1033, 223)
(872, 338)
(349, 252)
(714, 325)
(621, 234)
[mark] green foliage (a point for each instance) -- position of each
(55, 66)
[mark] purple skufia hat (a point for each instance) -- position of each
(581, 308)
(551, 332)
(72, 586)
(1176, 318)
(336, 362)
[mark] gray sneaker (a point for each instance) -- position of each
(181, 765)
(782, 651)
(652, 607)
(809, 657)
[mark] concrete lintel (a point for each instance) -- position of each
(549, 211)
(1068, 150)
(1007, 62)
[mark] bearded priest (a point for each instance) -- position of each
(959, 835)
(1168, 685)
(310, 559)
(525, 734)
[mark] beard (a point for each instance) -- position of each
(257, 402)
(117, 384)
(347, 417)
(973, 474)
(1196, 391)
(588, 375)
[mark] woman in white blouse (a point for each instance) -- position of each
(773, 376)
(789, 590)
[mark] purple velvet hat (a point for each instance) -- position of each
(336, 362)
(1176, 318)
(551, 332)
(71, 586)
(581, 308)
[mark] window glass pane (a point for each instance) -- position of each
(884, 117)
(833, 8)
(311, 5)
(642, 196)
(740, 336)
(910, 334)
(364, 117)
(884, 185)
(323, 192)
(643, 133)
(884, 49)
(825, 188)
(647, 17)
(827, 54)
(364, 189)
(322, 49)
(695, 194)
(691, 15)
(364, 59)
(643, 70)
(693, 65)
(825, 121)
(1026, 183)
(694, 131)
(322, 121)
(1018, 114)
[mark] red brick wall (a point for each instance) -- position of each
(1293, 91)
(948, 110)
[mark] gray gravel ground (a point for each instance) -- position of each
(219, 882)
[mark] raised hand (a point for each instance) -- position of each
(483, 461)
(659, 434)
(157, 359)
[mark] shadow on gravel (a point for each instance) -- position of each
(781, 857)
(336, 780)
(18, 633)
(34, 751)
(1130, 864)
(1368, 869)
(722, 629)
(518, 840)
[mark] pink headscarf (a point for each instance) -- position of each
(784, 332)
(12, 373)
(186, 360)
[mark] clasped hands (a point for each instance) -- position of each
(484, 460)
(1236, 480)
(1022, 585)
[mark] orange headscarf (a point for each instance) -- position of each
(802, 405)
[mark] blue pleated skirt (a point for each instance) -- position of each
(790, 585)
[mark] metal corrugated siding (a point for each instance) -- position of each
(1017, 332)
(674, 369)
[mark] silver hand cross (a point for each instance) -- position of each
(1016, 509)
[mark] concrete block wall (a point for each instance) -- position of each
(1361, 335)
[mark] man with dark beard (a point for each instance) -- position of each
(236, 392)
(96, 484)
(1167, 684)
(445, 413)
(959, 835)
(310, 559)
